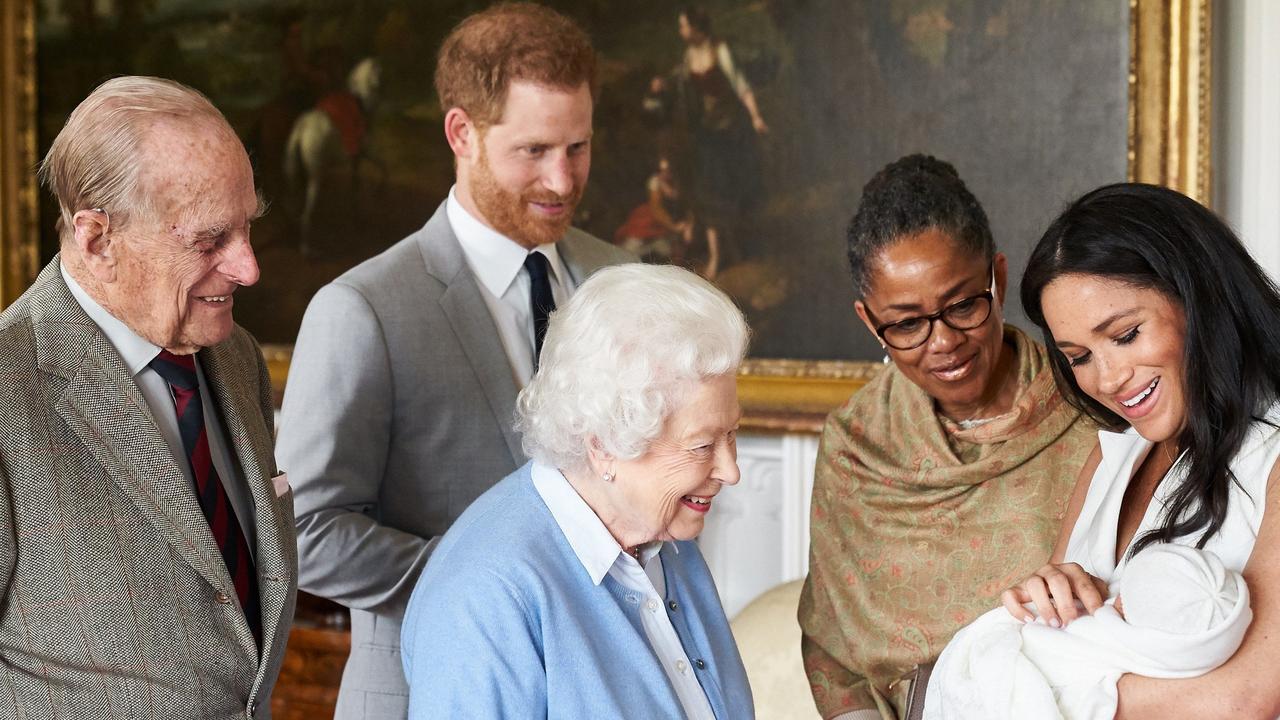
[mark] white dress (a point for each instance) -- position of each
(1093, 540)
(997, 668)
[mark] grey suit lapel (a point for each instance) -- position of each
(469, 317)
(229, 375)
(583, 255)
(104, 408)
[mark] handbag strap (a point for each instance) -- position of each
(915, 696)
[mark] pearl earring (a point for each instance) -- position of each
(607, 477)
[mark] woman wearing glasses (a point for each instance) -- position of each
(945, 479)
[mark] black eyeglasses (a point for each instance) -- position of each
(913, 332)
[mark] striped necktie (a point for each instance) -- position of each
(180, 372)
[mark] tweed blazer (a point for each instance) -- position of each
(116, 602)
(397, 416)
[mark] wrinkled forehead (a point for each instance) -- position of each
(192, 168)
(706, 405)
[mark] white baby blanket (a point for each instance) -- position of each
(1185, 614)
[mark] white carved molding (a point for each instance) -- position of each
(757, 533)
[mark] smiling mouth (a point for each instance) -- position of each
(1137, 399)
(955, 371)
(550, 208)
(216, 299)
(697, 503)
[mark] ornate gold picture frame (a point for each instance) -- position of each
(19, 239)
(1168, 143)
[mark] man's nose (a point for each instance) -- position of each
(558, 175)
(240, 264)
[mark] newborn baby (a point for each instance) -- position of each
(1184, 615)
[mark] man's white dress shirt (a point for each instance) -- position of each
(137, 354)
(601, 554)
(497, 263)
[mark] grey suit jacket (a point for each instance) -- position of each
(398, 413)
(116, 602)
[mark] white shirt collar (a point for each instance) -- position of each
(590, 539)
(136, 352)
(494, 258)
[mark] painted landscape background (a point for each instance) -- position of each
(1027, 98)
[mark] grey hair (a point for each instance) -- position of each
(619, 357)
(94, 162)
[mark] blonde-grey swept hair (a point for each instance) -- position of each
(620, 357)
(95, 161)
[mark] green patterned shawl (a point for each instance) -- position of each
(918, 525)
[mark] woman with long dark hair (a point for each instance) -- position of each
(1163, 329)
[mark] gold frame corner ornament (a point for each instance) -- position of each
(1168, 144)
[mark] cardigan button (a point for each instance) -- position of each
(672, 604)
(699, 664)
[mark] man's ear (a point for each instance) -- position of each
(93, 241)
(462, 133)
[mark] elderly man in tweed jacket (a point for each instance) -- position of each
(147, 555)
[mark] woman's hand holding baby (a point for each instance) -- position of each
(1055, 590)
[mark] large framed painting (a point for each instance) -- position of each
(732, 138)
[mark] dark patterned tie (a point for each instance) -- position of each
(540, 299)
(180, 372)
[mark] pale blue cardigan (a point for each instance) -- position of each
(506, 623)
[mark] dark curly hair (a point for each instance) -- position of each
(1154, 238)
(908, 196)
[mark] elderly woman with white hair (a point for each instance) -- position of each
(573, 588)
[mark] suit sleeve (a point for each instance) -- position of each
(8, 559)
(471, 649)
(8, 540)
(335, 431)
